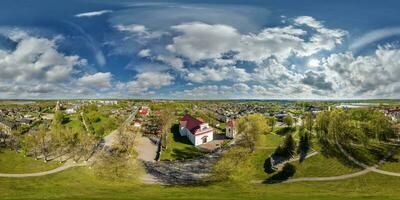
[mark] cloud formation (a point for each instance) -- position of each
(93, 13)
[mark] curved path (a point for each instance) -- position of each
(366, 170)
(53, 171)
(280, 165)
(374, 169)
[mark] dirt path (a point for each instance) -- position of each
(53, 171)
(109, 139)
(280, 165)
(374, 169)
(146, 149)
(147, 152)
(366, 170)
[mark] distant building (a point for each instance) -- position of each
(196, 130)
(393, 113)
(70, 111)
(144, 111)
(230, 129)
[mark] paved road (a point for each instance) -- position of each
(53, 171)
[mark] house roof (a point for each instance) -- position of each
(144, 111)
(231, 123)
(191, 123)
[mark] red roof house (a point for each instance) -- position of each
(197, 131)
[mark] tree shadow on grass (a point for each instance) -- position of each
(178, 137)
(284, 131)
(186, 153)
(66, 120)
(281, 176)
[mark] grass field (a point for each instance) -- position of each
(13, 162)
(73, 122)
(81, 183)
(179, 147)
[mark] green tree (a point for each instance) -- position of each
(251, 127)
(289, 146)
(308, 121)
(288, 120)
(59, 118)
(305, 142)
(272, 122)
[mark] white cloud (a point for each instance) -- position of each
(239, 90)
(203, 41)
(147, 80)
(313, 62)
(374, 36)
(93, 14)
(98, 80)
(368, 75)
(134, 28)
(172, 61)
(37, 59)
(218, 74)
(199, 41)
(139, 30)
(144, 53)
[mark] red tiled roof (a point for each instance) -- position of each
(192, 124)
(231, 123)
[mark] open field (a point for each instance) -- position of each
(80, 183)
(12, 162)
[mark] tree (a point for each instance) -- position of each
(59, 118)
(44, 141)
(125, 140)
(304, 143)
(308, 121)
(114, 164)
(322, 123)
(289, 146)
(272, 122)
(251, 127)
(235, 164)
(288, 120)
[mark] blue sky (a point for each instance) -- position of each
(199, 49)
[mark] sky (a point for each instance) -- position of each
(267, 49)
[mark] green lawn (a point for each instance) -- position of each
(270, 140)
(80, 183)
(13, 162)
(178, 147)
(73, 122)
(392, 165)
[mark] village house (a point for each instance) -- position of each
(196, 130)
(230, 129)
(144, 111)
(393, 113)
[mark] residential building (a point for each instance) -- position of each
(144, 111)
(196, 130)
